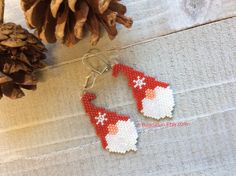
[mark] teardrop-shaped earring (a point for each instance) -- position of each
(154, 98)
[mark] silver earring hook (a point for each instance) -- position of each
(96, 55)
(95, 72)
(90, 81)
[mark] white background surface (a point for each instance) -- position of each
(47, 132)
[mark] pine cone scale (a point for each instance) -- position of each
(4, 78)
(36, 14)
(13, 43)
(3, 37)
(26, 4)
(15, 66)
(69, 38)
(126, 21)
(117, 7)
(61, 23)
(71, 4)
(12, 90)
(54, 6)
(93, 26)
(48, 28)
(81, 17)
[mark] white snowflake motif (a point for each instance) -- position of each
(139, 82)
(101, 118)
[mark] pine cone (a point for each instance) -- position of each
(66, 19)
(20, 54)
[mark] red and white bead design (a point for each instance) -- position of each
(154, 98)
(116, 132)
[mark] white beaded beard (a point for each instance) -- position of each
(161, 106)
(125, 139)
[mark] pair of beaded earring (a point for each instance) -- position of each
(117, 132)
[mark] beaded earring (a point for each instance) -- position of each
(116, 132)
(153, 98)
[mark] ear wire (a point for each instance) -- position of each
(90, 81)
(94, 72)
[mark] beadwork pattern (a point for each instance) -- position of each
(154, 98)
(116, 132)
